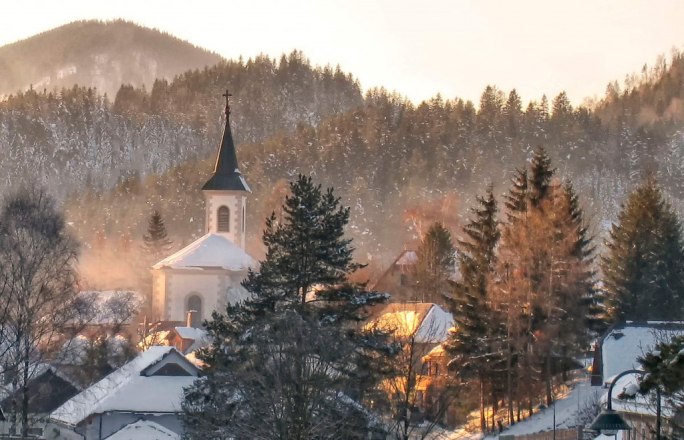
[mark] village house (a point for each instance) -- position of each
(147, 389)
(420, 328)
(618, 351)
(48, 389)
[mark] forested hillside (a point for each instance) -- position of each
(74, 138)
(395, 163)
(97, 54)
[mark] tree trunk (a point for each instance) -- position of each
(25, 392)
(547, 379)
(483, 419)
(509, 384)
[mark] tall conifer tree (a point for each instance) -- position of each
(156, 241)
(435, 264)
(644, 262)
(472, 344)
(517, 198)
(288, 361)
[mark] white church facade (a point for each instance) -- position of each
(205, 275)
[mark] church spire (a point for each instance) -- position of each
(226, 175)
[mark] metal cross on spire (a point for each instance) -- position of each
(227, 95)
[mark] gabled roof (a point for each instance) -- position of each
(190, 332)
(211, 251)
(625, 343)
(406, 258)
(47, 390)
(427, 322)
(133, 388)
(144, 430)
(226, 175)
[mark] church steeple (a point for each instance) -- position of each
(226, 191)
(226, 175)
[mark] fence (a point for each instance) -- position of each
(561, 434)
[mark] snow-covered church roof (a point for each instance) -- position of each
(211, 251)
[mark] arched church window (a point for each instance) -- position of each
(223, 219)
(243, 218)
(194, 310)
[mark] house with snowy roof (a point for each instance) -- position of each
(144, 396)
(426, 323)
(206, 275)
(619, 350)
(185, 339)
(421, 328)
(48, 388)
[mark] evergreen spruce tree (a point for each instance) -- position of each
(644, 262)
(541, 173)
(155, 241)
(290, 362)
(472, 344)
(664, 367)
(435, 264)
(545, 275)
(517, 198)
(585, 251)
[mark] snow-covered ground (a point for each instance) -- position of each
(570, 408)
(569, 411)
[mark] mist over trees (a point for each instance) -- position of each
(524, 298)
(386, 155)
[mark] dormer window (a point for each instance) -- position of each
(223, 217)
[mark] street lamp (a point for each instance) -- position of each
(609, 422)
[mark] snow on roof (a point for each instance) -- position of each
(623, 345)
(435, 326)
(428, 322)
(407, 258)
(210, 251)
(143, 430)
(126, 389)
(438, 350)
(190, 333)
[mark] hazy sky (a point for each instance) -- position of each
(418, 48)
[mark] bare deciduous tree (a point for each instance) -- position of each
(37, 269)
(419, 390)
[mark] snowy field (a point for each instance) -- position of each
(570, 408)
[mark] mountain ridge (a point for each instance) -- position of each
(98, 54)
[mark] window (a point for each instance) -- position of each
(194, 309)
(223, 216)
(243, 219)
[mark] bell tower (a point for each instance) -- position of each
(225, 193)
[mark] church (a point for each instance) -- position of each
(205, 275)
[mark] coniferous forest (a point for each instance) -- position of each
(399, 165)
(537, 223)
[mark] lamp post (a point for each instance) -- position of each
(609, 422)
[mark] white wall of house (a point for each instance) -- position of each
(101, 426)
